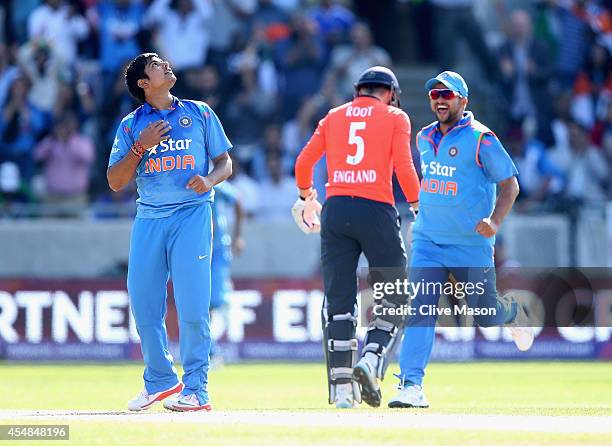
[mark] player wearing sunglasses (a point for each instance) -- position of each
(469, 185)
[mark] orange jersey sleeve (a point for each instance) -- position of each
(364, 141)
(402, 159)
(309, 156)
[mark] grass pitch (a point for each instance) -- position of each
(254, 395)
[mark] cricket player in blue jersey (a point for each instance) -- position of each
(463, 165)
(167, 144)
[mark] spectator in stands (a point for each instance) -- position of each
(349, 61)
(540, 179)
(117, 103)
(273, 72)
(272, 145)
(12, 188)
(58, 23)
(546, 26)
(593, 86)
(599, 66)
(455, 21)
(281, 187)
(578, 21)
(8, 72)
(78, 99)
(230, 18)
(583, 107)
(585, 167)
(182, 31)
(118, 24)
(563, 116)
(66, 156)
(248, 189)
(44, 69)
(297, 131)
(21, 124)
(335, 22)
(204, 84)
(300, 61)
(526, 71)
(272, 21)
(254, 98)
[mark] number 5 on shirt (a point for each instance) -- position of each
(358, 141)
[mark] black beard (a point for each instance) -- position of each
(451, 117)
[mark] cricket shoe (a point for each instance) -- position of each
(520, 329)
(365, 375)
(344, 399)
(411, 395)
(186, 403)
(144, 400)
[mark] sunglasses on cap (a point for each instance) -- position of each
(443, 93)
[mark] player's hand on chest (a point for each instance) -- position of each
(182, 135)
(154, 133)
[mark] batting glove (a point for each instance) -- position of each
(306, 212)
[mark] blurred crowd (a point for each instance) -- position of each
(554, 68)
(272, 68)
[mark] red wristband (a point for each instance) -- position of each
(135, 152)
(138, 149)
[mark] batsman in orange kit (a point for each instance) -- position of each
(365, 141)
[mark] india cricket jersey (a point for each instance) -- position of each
(162, 176)
(460, 172)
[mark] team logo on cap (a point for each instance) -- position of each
(185, 121)
(453, 151)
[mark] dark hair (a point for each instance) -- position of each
(136, 71)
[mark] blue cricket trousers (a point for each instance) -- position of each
(179, 247)
(433, 263)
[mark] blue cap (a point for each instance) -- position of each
(452, 80)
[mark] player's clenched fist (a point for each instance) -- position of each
(154, 133)
(199, 184)
(487, 228)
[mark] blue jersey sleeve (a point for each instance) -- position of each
(123, 141)
(217, 142)
(497, 164)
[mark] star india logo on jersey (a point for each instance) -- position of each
(156, 164)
